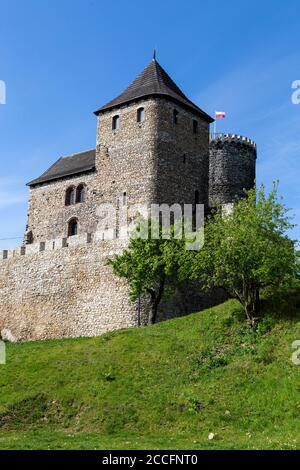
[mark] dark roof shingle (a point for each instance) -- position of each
(154, 80)
(68, 166)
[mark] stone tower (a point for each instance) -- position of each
(153, 147)
(232, 164)
(153, 144)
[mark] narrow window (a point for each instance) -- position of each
(175, 116)
(124, 199)
(196, 202)
(184, 158)
(80, 193)
(195, 126)
(70, 196)
(73, 227)
(29, 238)
(141, 115)
(115, 122)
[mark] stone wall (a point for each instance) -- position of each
(64, 288)
(156, 161)
(182, 156)
(48, 215)
(125, 158)
(63, 291)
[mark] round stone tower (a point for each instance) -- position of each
(232, 163)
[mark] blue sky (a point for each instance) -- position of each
(63, 59)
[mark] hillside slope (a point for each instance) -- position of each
(164, 386)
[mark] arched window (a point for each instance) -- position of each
(73, 227)
(80, 193)
(141, 115)
(195, 126)
(175, 116)
(70, 196)
(115, 122)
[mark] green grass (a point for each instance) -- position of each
(162, 387)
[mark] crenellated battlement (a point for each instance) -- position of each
(63, 288)
(109, 246)
(232, 138)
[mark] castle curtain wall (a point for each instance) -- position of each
(60, 286)
(63, 292)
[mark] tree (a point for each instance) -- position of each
(247, 251)
(149, 265)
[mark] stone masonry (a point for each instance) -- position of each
(58, 283)
(232, 166)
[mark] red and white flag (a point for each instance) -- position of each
(220, 114)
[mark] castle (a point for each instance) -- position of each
(153, 146)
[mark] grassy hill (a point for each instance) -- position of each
(165, 386)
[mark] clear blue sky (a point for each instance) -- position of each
(63, 59)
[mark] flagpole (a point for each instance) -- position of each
(215, 126)
(218, 114)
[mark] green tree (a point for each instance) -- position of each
(246, 251)
(150, 266)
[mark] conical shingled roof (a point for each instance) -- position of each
(154, 80)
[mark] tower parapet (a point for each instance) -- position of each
(232, 162)
(232, 138)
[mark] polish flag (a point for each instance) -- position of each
(220, 114)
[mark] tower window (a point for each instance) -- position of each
(80, 193)
(116, 122)
(196, 202)
(70, 196)
(124, 199)
(29, 238)
(195, 126)
(184, 158)
(73, 228)
(141, 115)
(175, 116)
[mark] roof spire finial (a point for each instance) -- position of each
(154, 54)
